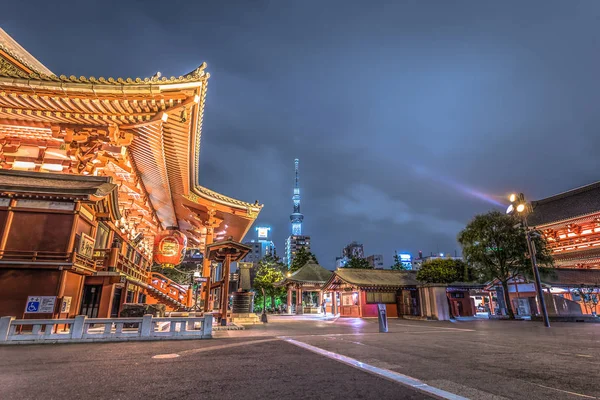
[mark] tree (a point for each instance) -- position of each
(496, 246)
(270, 270)
(301, 257)
(397, 263)
(445, 270)
(358, 263)
(589, 296)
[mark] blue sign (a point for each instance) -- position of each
(33, 306)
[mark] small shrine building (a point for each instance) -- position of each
(304, 288)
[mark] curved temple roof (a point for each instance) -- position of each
(159, 118)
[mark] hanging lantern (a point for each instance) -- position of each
(169, 247)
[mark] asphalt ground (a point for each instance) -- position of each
(478, 360)
(207, 369)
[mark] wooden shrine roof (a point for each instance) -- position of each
(371, 278)
(311, 272)
(156, 120)
(574, 203)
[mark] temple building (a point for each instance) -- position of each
(93, 169)
(570, 222)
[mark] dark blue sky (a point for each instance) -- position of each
(401, 112)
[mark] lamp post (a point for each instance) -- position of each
(263, 317)
(522, 208)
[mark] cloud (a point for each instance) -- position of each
(375, 206)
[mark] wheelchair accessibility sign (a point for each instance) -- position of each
(40, 304)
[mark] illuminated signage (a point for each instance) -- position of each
(405, 257)
(263, 232)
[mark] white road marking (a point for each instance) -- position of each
(225, 346)
(566, 391)
(391, 375)
(161, 356)
(583, 355)
(434, 327)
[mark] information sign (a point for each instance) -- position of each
(40, 304)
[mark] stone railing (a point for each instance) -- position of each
(83, 329)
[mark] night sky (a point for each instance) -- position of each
(408, 117)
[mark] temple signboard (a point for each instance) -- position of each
(86, 246)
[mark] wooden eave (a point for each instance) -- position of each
(163, 117)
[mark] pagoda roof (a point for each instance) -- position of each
(371, 278)
(162, 116)
(311, 272)
(69, 186)
(576, 203)
(20, 57)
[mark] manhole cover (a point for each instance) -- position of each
(166, 356)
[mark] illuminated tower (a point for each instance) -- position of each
(296, 217)
(296, 240)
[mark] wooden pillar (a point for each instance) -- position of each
(225, 289)
(299, 309)
(74, 228)
(320, 299)
(123, 296)
(8, 223)
(206, 267)
(289, 300)
(334, 307)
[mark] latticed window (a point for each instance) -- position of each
(381, 297)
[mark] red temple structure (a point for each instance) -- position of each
(570, 222)
(91, 170)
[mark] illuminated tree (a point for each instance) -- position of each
(496, 246)
(445, 270)
(270, 270)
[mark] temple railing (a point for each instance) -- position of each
(169, 288)
(26, 256)
(46, 258)
(81, 329)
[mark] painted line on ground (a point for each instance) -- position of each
(385, 373)
(163, 356)
(226, 346)
(212, 348)
(434, 327)
(566, 391)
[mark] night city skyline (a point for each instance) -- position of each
(408, 118)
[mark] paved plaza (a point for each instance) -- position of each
(293, 357)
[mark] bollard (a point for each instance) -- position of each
(382, 318)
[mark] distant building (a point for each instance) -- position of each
(376, 261)
(261, 246)
(293, 244)
(418, 262)
(353, 249)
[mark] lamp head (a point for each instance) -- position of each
(521, 207)
(512, 198)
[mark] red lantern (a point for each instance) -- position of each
(169, 247)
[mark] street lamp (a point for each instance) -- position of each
(519, 205)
